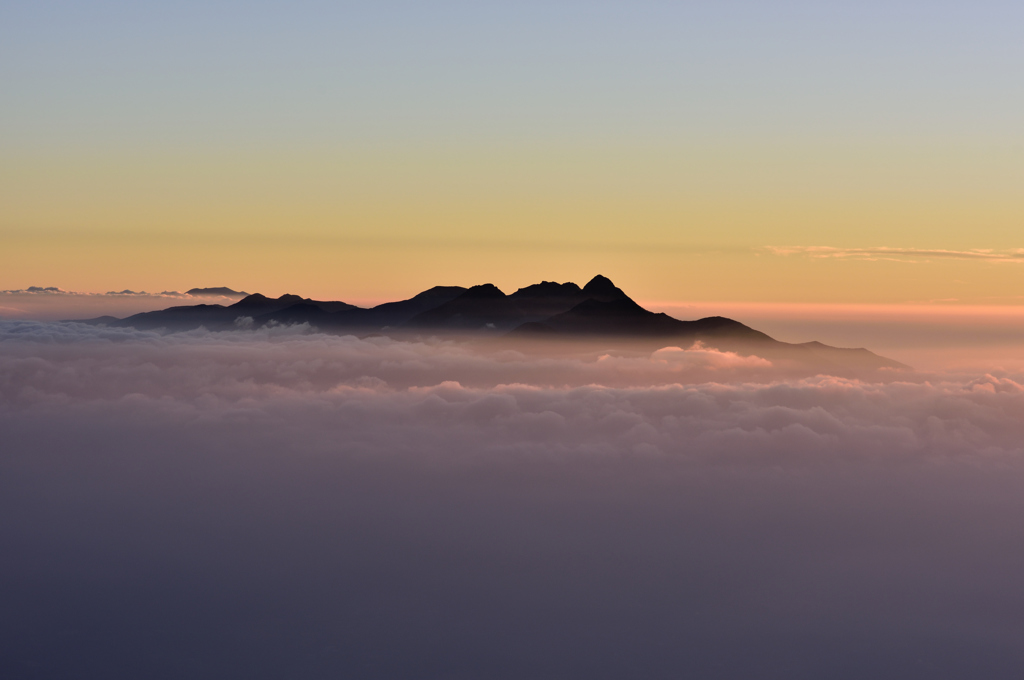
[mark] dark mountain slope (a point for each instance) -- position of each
(326, 314)
(633, 327)
(302, 312)
(480, 308)
(358, 319)
(180, 318)
(542, 300)
(624, 317)
(394, 314)
(219, 317)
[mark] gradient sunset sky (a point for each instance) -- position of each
(867, 152)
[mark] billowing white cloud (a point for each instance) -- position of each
(674, 400)
(282, 500)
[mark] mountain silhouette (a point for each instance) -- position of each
(599, 312)
(486, 307)
(222, 291)
(601, 288)
(395, 314)
(623, 316)
(479, 307)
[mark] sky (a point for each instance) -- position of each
(785, 152)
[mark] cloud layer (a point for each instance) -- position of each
(671, 400)
(281, 501)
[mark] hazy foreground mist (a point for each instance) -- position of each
(281, 503)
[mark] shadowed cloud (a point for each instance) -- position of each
(281, 501)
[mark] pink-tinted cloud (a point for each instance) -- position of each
(282, 500)
(672, 401)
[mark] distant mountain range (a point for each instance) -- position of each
(599, 312)
(215, 292)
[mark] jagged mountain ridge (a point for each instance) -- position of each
(542, 311)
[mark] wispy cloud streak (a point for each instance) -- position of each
(899, 254)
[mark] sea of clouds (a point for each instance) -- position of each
(285, 503)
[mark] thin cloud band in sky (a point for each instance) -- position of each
(900, 254)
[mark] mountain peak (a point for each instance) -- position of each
(485, 290)
(602, 286)
(447, 292)
(548, 289)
